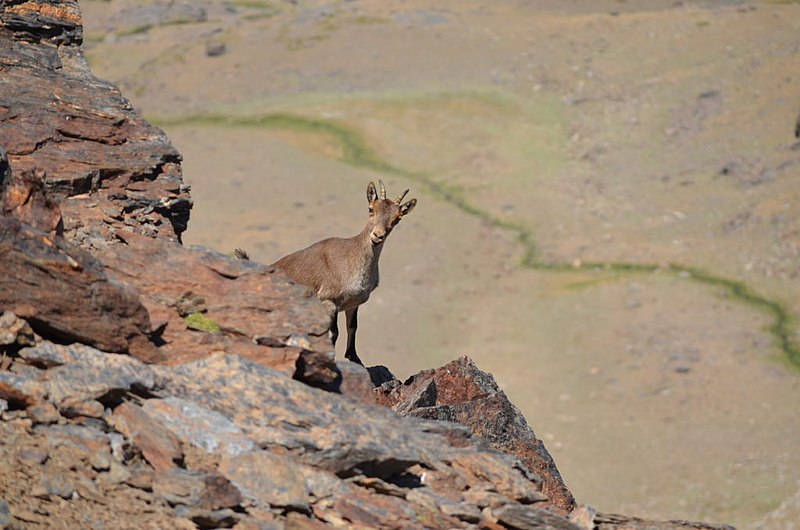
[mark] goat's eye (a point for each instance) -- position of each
(371, 211)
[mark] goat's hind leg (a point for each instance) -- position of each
(333, 329)
(352, 325)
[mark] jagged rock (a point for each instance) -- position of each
(24, 198)
(225, 518)
(369, 441)
(63, 293)
(201, 489)
(522, 517)
(198, 426)
(14, 331)
(43, 413)
(462, 393)
(268, 479)
(92, 374)
(354, 381)
(21, 390)
(73, 408)
(244, 300)
(158, 445)
(99, 154)
(583, 516)
(53, 484)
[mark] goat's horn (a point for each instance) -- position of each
(401, 197)
(383, 189)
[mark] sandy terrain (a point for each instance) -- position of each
(608, 218)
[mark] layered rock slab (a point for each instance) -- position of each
(107, 166)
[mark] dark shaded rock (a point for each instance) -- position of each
(380, 374)
(158, 445)
(215, 49)
(198, 426)
(63, 293)
(268, 479)
(462, 393)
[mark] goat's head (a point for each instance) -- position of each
(384, 214)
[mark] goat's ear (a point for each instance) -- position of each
(407, 207)
(371, 193)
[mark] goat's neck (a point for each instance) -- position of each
(371, 252)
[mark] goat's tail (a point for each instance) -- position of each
(241, 254)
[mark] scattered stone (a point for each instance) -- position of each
(33, 456)
(225, 518)
(268, 479)
(100, 462)
(583, 515)
(3, 406)
(205, 490)
(53, 484)
(117, 473)
(14, 331)
(141, 477)
(73, 408)
(158, 445)
(43, 413)
(215, 49)
(5, 515)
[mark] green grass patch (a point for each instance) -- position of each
(200, 322)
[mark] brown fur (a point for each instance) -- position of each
(343, 272)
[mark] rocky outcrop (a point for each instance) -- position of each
(148, 385)
(461, 393)
(104, 163)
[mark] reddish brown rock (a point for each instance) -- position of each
(64, 294)
(462, 393)
(253, 310)
(106, 165)
(24, 198)
(158, 445)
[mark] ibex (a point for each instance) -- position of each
(343, 272)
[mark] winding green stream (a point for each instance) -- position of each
(356, 152)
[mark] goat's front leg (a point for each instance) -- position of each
(352, 325)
